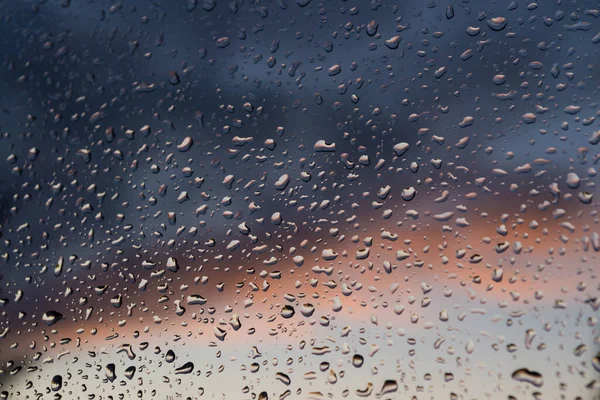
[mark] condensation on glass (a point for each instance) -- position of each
(248, 199)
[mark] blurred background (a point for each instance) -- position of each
(270, 199)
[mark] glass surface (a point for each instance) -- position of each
(206, 199)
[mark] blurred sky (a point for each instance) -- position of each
(98, 98)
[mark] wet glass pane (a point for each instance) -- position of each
(236, 199)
